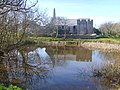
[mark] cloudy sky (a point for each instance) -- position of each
(100, 11)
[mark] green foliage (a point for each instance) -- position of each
(11, 87)
(2, 87)
(97, 31)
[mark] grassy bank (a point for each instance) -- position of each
(106, 40)
(49, 39)
(41, 39)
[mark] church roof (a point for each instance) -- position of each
(69, 22)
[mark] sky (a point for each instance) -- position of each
(101, 11)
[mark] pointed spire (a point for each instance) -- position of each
(54, 14)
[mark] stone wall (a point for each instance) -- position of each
(82, 29)
(84, 26)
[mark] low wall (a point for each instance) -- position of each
(86, 36)
(62, 43)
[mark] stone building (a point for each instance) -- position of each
(82, 26)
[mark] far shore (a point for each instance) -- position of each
(102, 46)
(90, 45)
(109, 44)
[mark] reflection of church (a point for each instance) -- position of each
(70, 53)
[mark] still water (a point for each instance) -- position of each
(54, 68)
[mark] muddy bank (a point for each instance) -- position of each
(90, 45)
(101, 46)
(61, 43)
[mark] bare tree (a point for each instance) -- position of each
(54, 24)
(110, 29)
(15, 17)
(51, 27)
(37, 22)
(62, 21)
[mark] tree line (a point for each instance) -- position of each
(110, 29)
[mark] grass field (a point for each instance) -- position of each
(107, 40)
(39, 39)
(49, 39)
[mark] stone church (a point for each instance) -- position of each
(82, 26)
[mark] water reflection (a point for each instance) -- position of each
(39, 58)
(25, 69)
(60, 54)
(53, 67)
(70, 53)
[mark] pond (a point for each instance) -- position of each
(55, 68)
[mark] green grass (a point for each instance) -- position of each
(107, 40)
(41, 39)
(49, 39)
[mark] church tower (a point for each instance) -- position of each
(54, 16)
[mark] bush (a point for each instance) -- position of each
(28, 41)
(109, 73)
(110, 29)
(11, 87)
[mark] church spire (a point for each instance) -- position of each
(54, 14)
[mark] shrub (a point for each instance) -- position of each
(28, 41)
(11, 87)
(108, 73)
